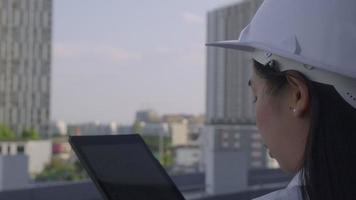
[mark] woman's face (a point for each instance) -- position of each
(283, 129)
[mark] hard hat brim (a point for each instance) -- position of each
(232, 44)
(344, 84)
(251, 46)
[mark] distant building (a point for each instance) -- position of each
(147, 116)
(187, 144)
(155, 129)
(231, 142)
(92, 129)
(195, 133)
(61, 148)
(187, 158)
(185, 130)
(194, 119)
(179, 132)
(39, 152)
(173, 118)
(25, 64)
(124, 130)
(114, 128)
(58, 128)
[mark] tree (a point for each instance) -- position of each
(6, 133)
(137, 127)
(60, 170)
(160, 148)
(30, 134)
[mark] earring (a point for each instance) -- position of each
(293, 109)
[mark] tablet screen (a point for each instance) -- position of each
(128, 172)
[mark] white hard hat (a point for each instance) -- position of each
(315, 37)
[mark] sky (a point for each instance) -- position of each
(111, 58)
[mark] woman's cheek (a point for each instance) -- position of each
(263, 123)
(261, 119)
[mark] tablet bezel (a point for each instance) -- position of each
(77, 141)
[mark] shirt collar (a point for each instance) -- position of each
(296, 181)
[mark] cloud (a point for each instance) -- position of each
(195, 57)
(192, 18)
(66, 51)
(79, 51)
(163, 50)
(119, 55)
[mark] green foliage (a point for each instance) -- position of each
(153, 143)
(6, 133)
(30, 134)
(167, 160)
(60, 170)
(137, 127)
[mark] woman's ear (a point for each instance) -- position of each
(298, 93)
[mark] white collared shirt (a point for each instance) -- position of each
(291, 192)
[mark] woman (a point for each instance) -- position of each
(304, 83)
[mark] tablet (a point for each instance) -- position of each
(123, 168)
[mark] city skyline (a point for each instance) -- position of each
(112, 59)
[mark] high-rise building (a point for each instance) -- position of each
(233, 144)
(229, 100)
(25, 60)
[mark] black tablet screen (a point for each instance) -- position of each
(127, 172)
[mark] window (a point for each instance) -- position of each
(256, 136)
(237, 145)
(225, 144)
(15, 4)
(225, 135)
(256, 154)
(16, 18)
(256, 164)
(20, 149)
(256, 145)
(9, 149)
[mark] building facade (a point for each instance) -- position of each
(232, 142)
(14, 172)
(25, 60)
(58, 128)
(155, 129)
(187, 159)
(39, 152)
(179, 132)
(147, 116)
(229, 100)
(125, 130)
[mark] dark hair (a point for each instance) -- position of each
(329, 167)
